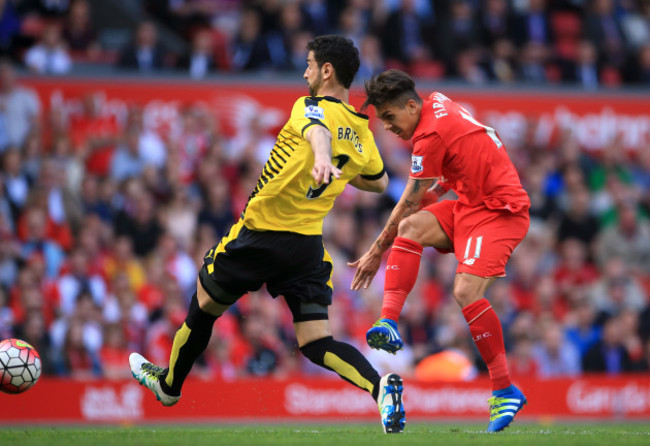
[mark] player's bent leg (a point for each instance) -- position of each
(485, 327)
(424, 228)
(414, 232)
(317, 344)
(191, 339)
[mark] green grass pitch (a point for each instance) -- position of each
(604, 434)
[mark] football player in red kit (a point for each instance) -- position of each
(451, 150)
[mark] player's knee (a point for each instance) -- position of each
(213, 301)
(465, 294)
(410, 228)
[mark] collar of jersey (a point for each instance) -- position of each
(338, 101)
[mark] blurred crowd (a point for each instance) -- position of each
(104, 223)
(587, 43)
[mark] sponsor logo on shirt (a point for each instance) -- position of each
(416, 164)
(314, 112)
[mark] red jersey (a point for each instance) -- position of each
(451, 145)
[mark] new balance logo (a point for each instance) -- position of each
(469, 262)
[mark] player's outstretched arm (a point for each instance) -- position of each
(377, 186)
(321, 143)
(368, 265)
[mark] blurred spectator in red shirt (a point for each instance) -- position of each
(94, 134)
(122, 307)
(521, 362)
(114, 353)
(177, 263)
(77, 360)
(573, 271)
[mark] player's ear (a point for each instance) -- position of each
(411, 106)
(327, 70)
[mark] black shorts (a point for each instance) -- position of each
(293, 265)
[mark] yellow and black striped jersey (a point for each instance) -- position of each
(286, 197)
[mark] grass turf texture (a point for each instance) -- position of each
(330, 435)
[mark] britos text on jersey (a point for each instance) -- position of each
(348, 134)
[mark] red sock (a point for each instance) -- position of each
(401, 273)
(486, 332)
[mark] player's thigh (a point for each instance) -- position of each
(232, 268)
(485, 239)
(432, 226)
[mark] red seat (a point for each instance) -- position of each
(430, 69)
(566, 25)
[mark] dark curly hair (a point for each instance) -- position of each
(338, 51)
(393, 86)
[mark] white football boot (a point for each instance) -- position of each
(390, 404)
(148, 375)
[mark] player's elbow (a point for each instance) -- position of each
(382, 184)
(378, 186)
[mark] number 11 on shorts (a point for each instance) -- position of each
(477, 250)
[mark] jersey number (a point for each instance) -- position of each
(489, 130)
(315, 193)
(477, 250)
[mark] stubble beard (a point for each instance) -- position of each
(313, 88)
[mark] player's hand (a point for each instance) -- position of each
(367, 266)
(323, 170)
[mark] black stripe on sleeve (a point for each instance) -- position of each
(374, 177)
(312, 122)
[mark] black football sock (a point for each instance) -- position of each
(345, 360)
(189, 342)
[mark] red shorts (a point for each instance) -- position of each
(482, 239)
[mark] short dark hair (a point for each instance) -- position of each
(340, 52)
(392, 86)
